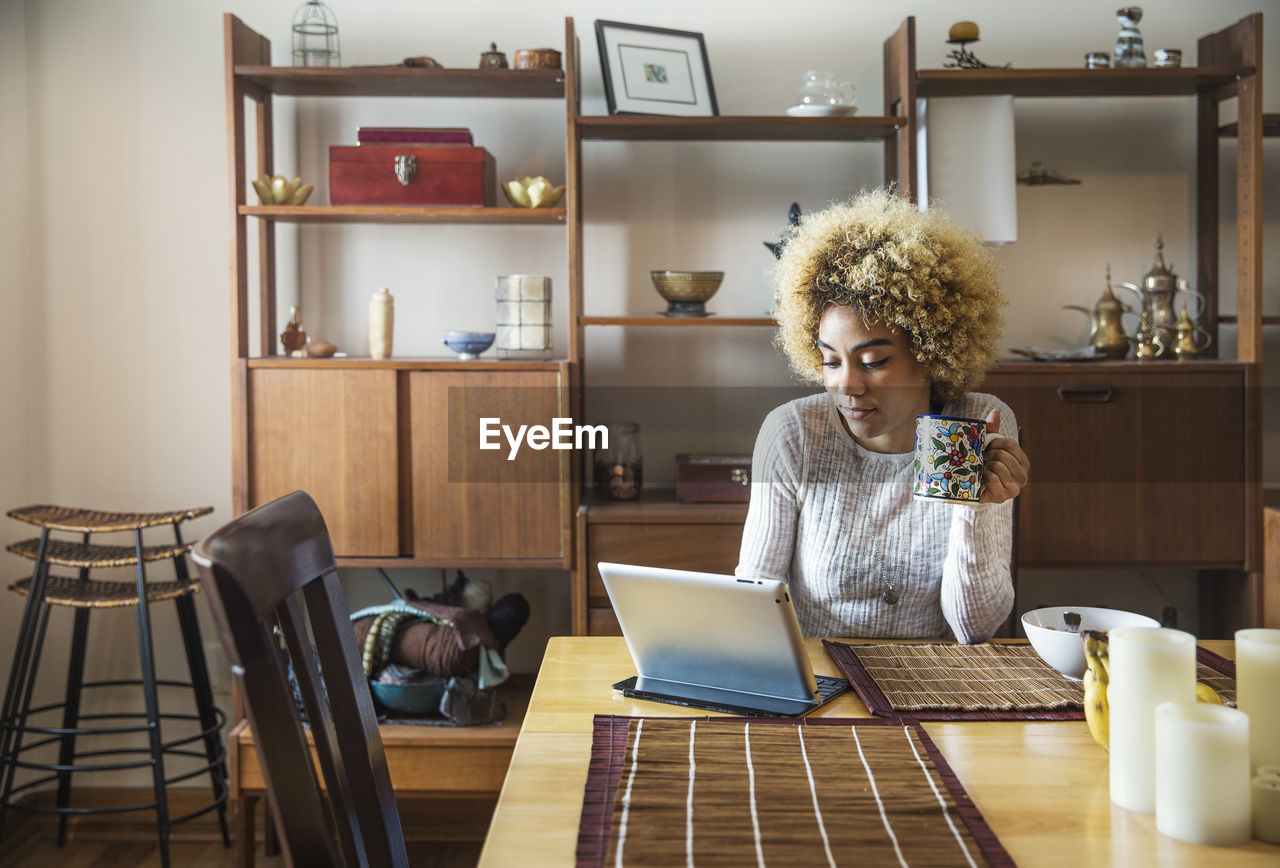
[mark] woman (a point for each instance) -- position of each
(896, 313)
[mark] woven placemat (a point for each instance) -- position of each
(775, 791)
(979, 682)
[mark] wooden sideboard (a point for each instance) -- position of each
(380, 447)
(1132, 466)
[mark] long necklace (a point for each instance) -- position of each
(888, 582)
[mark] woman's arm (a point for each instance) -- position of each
(977, 584)
(977, 580)
(768, 537)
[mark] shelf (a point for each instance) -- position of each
(1185, 81)
(405, 81)
(1116, 366)
(737, 128)
(678, 321)
(1232, 318)
(407, 364)
(403, 214)
(1270, 127)
(658, 506)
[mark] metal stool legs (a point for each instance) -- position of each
(18, 732)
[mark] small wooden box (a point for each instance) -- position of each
(713, 478)
(441, 175)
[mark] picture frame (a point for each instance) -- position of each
(655, 71)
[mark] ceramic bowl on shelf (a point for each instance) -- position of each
(532, 192)
(1061, 648)
(468, 345)
(686, 292)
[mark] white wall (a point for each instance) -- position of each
(21, 383)
(114, 235)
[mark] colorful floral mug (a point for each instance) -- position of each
(948, 458)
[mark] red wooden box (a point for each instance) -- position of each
(713, 478)
(366, 175)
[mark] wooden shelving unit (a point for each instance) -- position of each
(679, 322)
(1183, 81)
(1229, 61)
(383, 465)
(403, 214)
(402, 81)
(737, 128)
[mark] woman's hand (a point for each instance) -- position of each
(1007, 469)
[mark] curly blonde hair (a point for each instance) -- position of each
(914, 271)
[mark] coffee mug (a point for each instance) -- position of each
(949, 458)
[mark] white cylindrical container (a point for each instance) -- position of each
(1202, 775)
(1148, 666)
(523, 316)
(1265, 792)
(382, 317)
(1258, 692)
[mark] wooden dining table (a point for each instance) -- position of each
(1041, 785)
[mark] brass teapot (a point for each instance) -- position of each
(1156, 297)
(1106, 326)
(1186, 346)
(1147, 343)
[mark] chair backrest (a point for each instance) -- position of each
(253, 569)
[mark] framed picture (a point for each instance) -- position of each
(654, 71)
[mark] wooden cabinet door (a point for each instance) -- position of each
(472, 505)
(1130, 467)
(331, 433)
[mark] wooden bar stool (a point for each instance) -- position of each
(19, 731)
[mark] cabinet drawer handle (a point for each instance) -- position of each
(1086, 393)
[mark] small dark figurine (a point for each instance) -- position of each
(793, 220)
(493, 58)
(962, 33)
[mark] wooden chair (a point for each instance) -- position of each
(252, 569)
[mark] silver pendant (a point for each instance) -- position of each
(890, 595)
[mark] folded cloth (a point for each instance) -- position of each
(435, 638)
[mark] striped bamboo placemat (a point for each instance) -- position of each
(979, 682)
(775, 791)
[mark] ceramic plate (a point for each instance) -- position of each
(822, 111)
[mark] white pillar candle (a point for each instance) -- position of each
(1266, 808)
(1202, 773)
(1148, 666)
(1258, 692)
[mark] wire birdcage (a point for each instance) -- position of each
(315, 36)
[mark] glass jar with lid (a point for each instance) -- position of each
(618, 464)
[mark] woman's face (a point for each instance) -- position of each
(878, 386)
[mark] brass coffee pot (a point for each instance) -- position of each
(1147, 345)
(1186, 347)
(1106, 326)
(1159, 286)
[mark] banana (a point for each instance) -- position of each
(1096, 678)
(1205, 693)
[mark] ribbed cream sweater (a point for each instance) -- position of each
(837, 522)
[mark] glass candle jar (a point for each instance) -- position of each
(619, 466)
(524, 316)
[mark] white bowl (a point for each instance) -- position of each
(1062, 650)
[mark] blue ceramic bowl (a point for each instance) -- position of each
(468, 345)
(415, 698)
